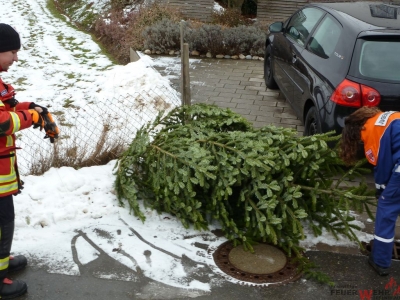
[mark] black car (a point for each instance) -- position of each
(328, 59)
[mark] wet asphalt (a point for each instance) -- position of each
(239, 85)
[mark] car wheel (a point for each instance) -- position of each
(312, 124)
(268, 75)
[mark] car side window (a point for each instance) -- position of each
(302, 23)
(326, 36)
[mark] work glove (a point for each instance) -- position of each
(40, 109)
(37, 119)
(50, 127)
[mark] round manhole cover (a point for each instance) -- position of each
(265, 259)
(267, 264)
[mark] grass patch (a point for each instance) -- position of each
(68, 104)
(57, 9)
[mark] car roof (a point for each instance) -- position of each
(377, 14)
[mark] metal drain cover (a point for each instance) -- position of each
(266, 259)
(267, 264)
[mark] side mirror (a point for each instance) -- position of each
(276, 27)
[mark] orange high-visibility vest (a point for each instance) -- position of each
(373, 131)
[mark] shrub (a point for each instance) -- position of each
(229, 17)
(162, 36)
(112, 31)
(165, 35)
(207, 38)
(147, 16)
(244, 40)
(130, 25)
(241, 40)
(118, 4)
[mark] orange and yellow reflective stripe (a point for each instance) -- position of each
(11, 176)
(16, 122)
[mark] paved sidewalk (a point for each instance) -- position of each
(238, 85)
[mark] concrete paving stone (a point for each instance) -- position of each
(291, 121)
(250, 83)
(225, 104)
(250, 118)
(241, 111)
(230, 81)
(247, 92)
(209, 93)
(263, 113)
(284, 125)
(223, 90)
(242, 71)
(221, 99)
(268, 103)
(268, 93)
(201, 99)
(255, 88)
(227, 95)
(256, 79)
(258, 124)
(214, 76)
(240, 100)
(286, 115)
(223, 62)
(235, 87)
(285, 105)
(268, 119)
(253, 97)
(220, 66)
(261, 72)
(219, 85)
(255, 76)
(251, 107)
(244, 66)
(274, 109)
(237, 78)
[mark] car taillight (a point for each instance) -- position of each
(349, 93)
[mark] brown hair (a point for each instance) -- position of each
(351, 134)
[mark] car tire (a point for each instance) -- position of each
(312, 124)
(268, 74)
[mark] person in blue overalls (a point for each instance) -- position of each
(380, 133)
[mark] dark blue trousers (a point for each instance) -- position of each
(388, 210)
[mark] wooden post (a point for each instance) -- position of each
(185, 78)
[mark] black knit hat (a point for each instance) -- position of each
(9, 38)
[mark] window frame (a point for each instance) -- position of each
(289, 21)
(315, 31)
(355, 62)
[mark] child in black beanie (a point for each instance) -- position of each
(14, 116)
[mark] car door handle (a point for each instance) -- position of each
(294, 58)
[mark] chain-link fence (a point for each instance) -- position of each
(89, 131)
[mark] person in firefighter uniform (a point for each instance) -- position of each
(14, 116)
(380, 133)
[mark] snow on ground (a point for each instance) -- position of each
(65, 207)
